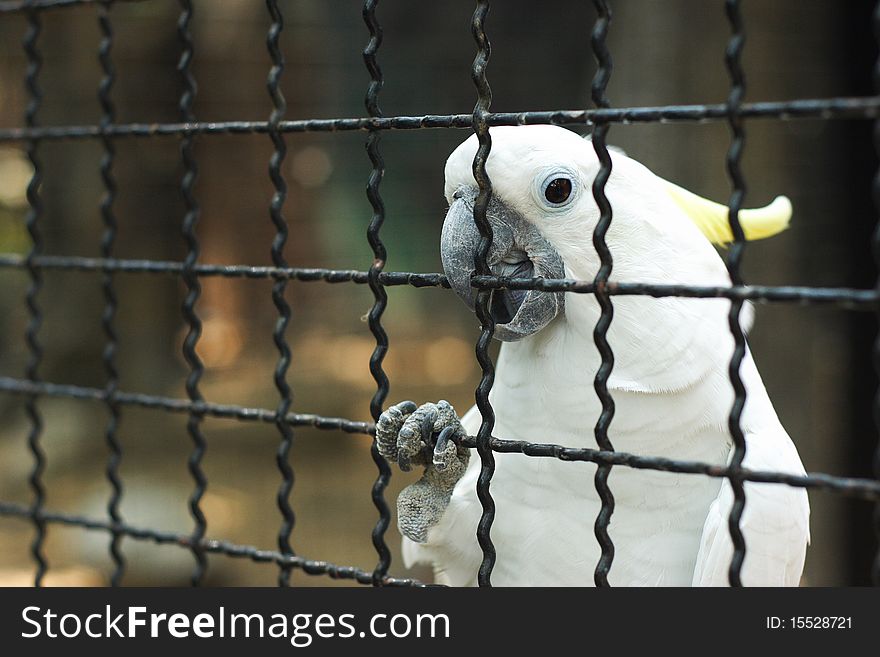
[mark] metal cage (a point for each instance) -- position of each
(31, 387)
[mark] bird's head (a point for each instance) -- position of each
(543, 214)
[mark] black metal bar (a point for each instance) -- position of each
(819, 108)
(861, 487)
(380, 297)
(85, 264)
(35, 350)
(11, 6)
(309, 566)
(846, 297)
(600, 333)
(734, 259)
(29, 388)
(487, 323)
(279, 106)
(875, 569)
(734, 111)
(849, 298)
(110, 301)
(193, 292)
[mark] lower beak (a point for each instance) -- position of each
(517, 313)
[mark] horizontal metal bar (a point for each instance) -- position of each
(846, 297)
(309, 566)
(8, 6)
(77, 263)
(27, 387)
(825, 108)
(865, 488)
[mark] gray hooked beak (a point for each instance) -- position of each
(518, 251)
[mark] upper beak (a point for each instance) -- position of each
(458, 247)
(518, 250)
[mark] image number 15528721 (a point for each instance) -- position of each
(809, 623)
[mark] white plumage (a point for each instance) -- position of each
(669, 383)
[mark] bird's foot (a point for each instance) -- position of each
(428, 435)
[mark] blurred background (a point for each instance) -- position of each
(815, 360)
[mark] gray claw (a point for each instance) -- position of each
(440, 447)
(421, 505)
(428, 424)
(389, 425)
(403, 459)
(414, 437)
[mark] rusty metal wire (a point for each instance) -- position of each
(9, 6)
(483, 299)
(110, 300)
(854, 487)
(606, 264)
(380, 297)
(35, 350)
(193, 292)
(281, 231)
(848, 298)
(31, 387)
(42, 388)
(875, 571)
(819, 108)
(734, 258)
(289, 561)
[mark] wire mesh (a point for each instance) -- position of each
(606, 264)
(380, 297)
(109, 314)
(32, 388)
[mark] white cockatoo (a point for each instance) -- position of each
(670, 386)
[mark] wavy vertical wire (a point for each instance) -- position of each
(484, 436)
(35, 210)
(283, 455)
(193, 291)
(380, 297)
(733, 57)
(600, 332)
(875, 570)
(108, 316)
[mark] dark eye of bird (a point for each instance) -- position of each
(558, 190)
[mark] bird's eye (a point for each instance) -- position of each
(558, 190)
(555, 188)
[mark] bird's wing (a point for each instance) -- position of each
(775, 521)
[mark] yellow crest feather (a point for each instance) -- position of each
(712, 218)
